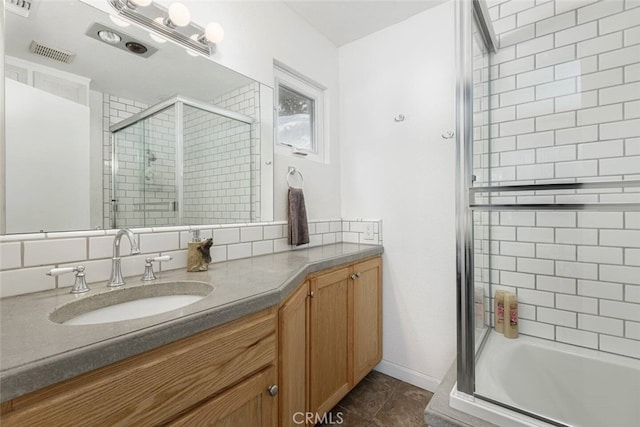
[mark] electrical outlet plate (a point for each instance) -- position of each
(368, 231)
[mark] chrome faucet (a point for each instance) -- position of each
(116, 270)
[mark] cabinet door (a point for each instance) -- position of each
(367, 317)
(293, 356)
(246, 404)
(329, 340)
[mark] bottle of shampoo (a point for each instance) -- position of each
(510, 315)
(498, 311)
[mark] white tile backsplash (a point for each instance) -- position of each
(10, 255)
(54, 251)
(159, 242)
(239, 250)
(25, 280)
(95, 250)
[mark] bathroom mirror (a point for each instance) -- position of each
(72, 74)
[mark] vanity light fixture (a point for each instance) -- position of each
(172, 24)
(119, 22)
(156, 38)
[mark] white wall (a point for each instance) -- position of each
(404, 173)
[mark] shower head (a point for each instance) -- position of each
(151, 156)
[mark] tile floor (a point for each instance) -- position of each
(382, 401)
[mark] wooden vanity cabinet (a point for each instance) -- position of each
(329, 328)
(367, 317)
(293, 344)
(219, 377)
(330, 337)
(249, 403)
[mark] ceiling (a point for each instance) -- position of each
(345, 21)
(63, 23)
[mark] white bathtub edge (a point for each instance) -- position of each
(490, 412)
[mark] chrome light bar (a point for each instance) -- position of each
(146, 18)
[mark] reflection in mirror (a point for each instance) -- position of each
(70, 99)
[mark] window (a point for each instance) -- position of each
(299, 107)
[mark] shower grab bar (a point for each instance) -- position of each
(555, 186)
(155, 206)
(617, 207)
(632, 206)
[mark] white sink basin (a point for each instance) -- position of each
(131, 303)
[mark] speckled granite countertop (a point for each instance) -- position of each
(36, 352)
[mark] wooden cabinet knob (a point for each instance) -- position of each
(312, 294)
(273, 390)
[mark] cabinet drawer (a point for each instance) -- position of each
(246, 404)
(154, 386)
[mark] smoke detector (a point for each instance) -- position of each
(51, 52)
(19, 7)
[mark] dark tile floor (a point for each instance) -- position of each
(382, 401)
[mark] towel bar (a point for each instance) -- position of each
(293, 171)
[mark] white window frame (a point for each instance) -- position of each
(291, 79)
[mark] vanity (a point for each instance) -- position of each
(280, 334)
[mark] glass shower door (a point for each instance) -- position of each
(145, 172)
(554, 201)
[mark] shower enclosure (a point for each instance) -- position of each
(548, 204)
(183, 162)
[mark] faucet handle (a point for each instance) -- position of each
(148, 266)
(80, 284)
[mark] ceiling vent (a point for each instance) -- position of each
(19, 7)
(51, 53)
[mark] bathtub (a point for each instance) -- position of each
(565, 384)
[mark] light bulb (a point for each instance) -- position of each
(119, 22)
(214, 32)
(142, 3)
(109, 37)
(179, 14)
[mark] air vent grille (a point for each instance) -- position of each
(51, 53)
(20, 7)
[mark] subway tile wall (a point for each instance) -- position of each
(24, 259)
(576, 274)
(222, 179)
(565, 87)
(218, 159)
(565, 92)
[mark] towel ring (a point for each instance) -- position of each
(292, 171)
